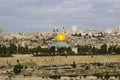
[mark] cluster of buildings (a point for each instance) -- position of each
(73, 37)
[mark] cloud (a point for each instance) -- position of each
(42, 15)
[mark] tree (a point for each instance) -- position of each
(94, 50)
(2, 49)
(61, 51)
(103, 49)
(4, 52)
(84, 49)
(79, 49)
(74, 65)
(69, 51)
(23, 50)
(117, 50)
(112, 48)
(12, 49)
(52, 50)
(17, 69)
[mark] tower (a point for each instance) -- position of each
(55, 30)
(119, 29)
(63, 29)
(74, 28)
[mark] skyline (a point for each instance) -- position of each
(45, 15)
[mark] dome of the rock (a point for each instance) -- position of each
(60, 37)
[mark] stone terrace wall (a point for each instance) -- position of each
(57, 60)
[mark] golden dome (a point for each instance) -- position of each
(60, 37)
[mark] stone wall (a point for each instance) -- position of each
(57, 60)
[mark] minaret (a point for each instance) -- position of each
(63, 29)
(55, 30)
(119, 29)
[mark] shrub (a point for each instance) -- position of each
(74, 65)
(17, 69)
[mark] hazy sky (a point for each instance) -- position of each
(44, 15)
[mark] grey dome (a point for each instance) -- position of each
(59, 44)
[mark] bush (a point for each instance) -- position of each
(17, 69)
(74, 65)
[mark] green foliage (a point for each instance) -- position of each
(38, 51)
(35, 50)
(2, 49)
(17, 69)
(95, 50)
(4, 52)
(82, 50)
(69, 51)
(74, 65)
(63, 51)
(87, 68)
(52, 49)
(12, 49)
(23, 50)
(111, 49)
(55, 77)
(103, 49)
(99, 64)
(114, 49)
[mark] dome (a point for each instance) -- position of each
(59, 44)
(60, 37)
(60, 41)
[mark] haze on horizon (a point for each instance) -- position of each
(44, 15)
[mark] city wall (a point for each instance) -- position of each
(57, 60)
